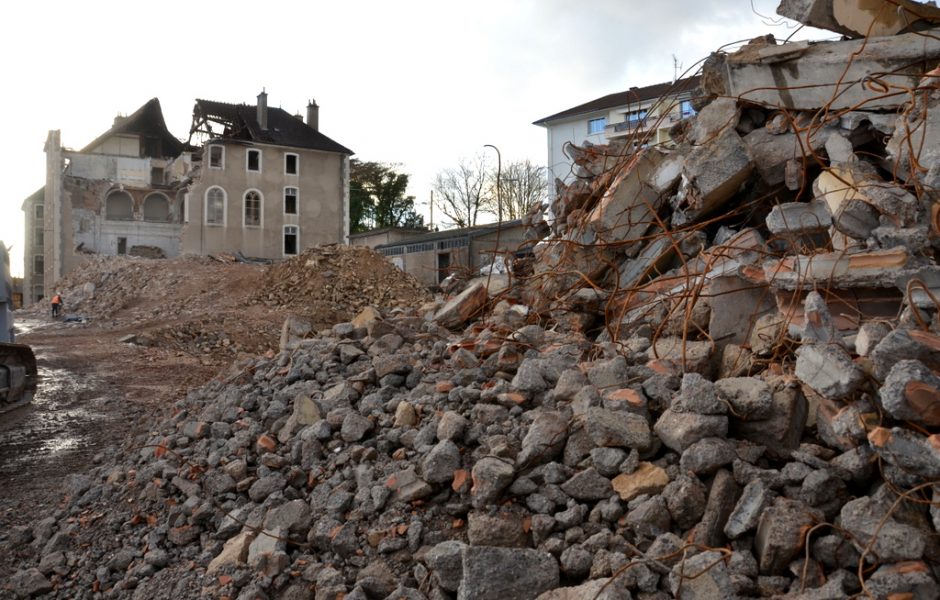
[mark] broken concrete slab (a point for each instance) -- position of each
(879, 268)
(809, 76)
(903, 344)
(679, 430)
(860, 18)
(715, 171)
(464, 306)
(755, 497)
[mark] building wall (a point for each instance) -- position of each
(321, 214)
(561, 132)
(33, 247)
(661, 116)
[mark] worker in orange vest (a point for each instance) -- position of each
(56, 305)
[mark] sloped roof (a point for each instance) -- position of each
(631, 96)
(284, 129)
(146, 120)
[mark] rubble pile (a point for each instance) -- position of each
(332, 283)
(721, 380)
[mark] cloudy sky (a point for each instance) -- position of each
(421, 83)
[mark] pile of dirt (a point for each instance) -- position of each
(215, 310)
(332, 283)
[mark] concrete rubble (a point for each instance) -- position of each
(720, 378)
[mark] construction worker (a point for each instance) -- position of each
(56, 305)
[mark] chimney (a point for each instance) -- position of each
(263, 109)
(313, 115)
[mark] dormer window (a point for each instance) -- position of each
(254, 161)
(216, 157)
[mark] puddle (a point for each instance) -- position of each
(54, 427)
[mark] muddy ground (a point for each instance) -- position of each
(95, 393)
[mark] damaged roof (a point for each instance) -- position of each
(284, 129)
(631, 96)
(146, 121)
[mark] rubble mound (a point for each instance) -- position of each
(332, 283)
(721, 380)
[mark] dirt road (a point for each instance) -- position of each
(94, 393)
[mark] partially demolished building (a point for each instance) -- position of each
(264, 183)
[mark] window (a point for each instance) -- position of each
(119, 206)
(38, 264)
(290, 240)
(290, 201)
(38, 239)
(291, 162)
(37, 211)
(254, 160)
(216, 157)
(215, 206)
(38, 293)
(157, 208)
(635, 116)
(597, 125)
(685, 108)
(252, 216)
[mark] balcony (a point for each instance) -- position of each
(623, 128)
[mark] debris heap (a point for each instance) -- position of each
(332, 283)
(720, 380)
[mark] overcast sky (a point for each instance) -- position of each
(412, 82)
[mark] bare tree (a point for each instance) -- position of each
(523, 185)
(461, 192)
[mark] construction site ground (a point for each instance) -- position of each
(149, 331)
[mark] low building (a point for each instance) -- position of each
(264, 183)
(384, 235)
(431, 257)
(645, 113)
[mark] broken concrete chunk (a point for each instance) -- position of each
(680, 430)
(750, 398)
(747, 512)
(903, 344)
(490, 573)
(618, 428)
(864, 518)
(464, 306)
(828, 369)
(911, 392)
(715, 171)
(780, 433)
(797, 218)
(646, 479)
(859, 18)
(780, 534)
(912, 452)
(703, 576)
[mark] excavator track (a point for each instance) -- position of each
(18, 376)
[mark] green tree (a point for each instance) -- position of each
(377, 197)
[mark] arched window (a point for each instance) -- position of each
(252, 212)
(157, 208)
(215, 206)
(119, 206)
